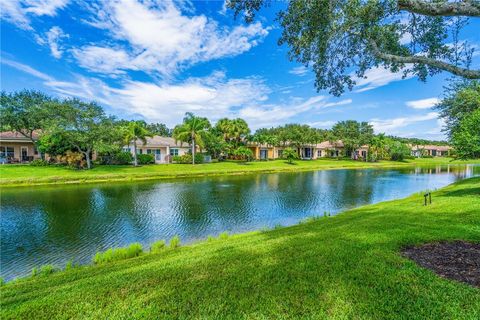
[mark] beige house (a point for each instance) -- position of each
(16, 148)
(328, 149)
(263, 151)
(430, 150)
(325, 149)
(163, 148)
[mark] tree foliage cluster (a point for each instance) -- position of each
(343, 39)
(460, 109)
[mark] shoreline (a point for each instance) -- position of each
(166, 175)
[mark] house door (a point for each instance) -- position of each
(308, 153)
(263, 154)
(24, 153)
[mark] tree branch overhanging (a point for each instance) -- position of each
(467, 8)
(459, 71)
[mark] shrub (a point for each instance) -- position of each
(70, 265)
(158, 246)
(243, 153)
(199, 158)
(2, 281)
(175, 242)
(398, 151)
(289, 154)
(186, 158)
(43, 271)
(72, 159)
(123, 157)
(223, 236)
(39, 163)
(133, 250)
(145, 158)
(47, 269)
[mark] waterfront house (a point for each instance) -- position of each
(329, 149)
(162, 148)
(430, 150)
(16, 148)
(263, 151)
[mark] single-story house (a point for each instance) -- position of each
(328, 149)
(263, 151)
(430, 150)
(16, 148)
(163, 148)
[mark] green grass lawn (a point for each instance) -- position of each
(12, 175)
(342, 267)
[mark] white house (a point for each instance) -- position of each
(163, 148)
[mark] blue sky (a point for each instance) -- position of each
(142, 60)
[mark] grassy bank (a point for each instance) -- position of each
(341, 267)
(18, 175)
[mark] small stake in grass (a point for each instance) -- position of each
(429, 195)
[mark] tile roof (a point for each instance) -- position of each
(329, 144)
(159, 141)
(15, 136)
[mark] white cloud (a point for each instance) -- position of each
(52, 39)
(422, 103)
(299, 71)
(161, 39)
(26, 69)
(18, 12)
(391, 126)
(269, 115)
(103, 60)
(378, 77)
(322, 124)
(215, 96)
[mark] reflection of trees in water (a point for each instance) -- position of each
(295, 190)
(223, 200)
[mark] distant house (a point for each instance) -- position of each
(306, 152)
(430, 150)
(162, 148)
(16, 148)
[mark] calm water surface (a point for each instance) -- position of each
(41, 225)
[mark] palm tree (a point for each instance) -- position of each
(378, 145)
(192, 130)
(134, 131)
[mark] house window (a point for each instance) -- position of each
(280, 153)
(139, 151)
(126, 149)
(35, 150)
(173, 151)
(319, 153)
(7, 152)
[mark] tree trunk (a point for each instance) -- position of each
(135, 162)
(193, 151)
(87, 157)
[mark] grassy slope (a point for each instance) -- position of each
(340, 267)
(11, 175)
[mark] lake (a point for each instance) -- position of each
(51, 225)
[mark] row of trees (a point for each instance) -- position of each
(83, 127)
